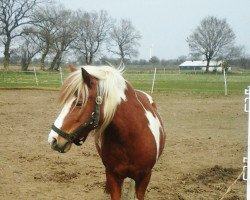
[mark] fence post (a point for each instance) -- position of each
(61, 75)
(153, 83)
(35, 76)
(246, 175)
(225, 80)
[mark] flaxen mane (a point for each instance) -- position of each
(111, 87)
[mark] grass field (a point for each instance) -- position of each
(210, 84)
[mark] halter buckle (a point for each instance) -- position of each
(98, 100)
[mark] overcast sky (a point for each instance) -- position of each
(166, 24)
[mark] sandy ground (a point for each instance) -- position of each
(206, 141)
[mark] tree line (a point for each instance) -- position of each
(43, 31)
(39, 28)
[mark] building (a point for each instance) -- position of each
(201, 65)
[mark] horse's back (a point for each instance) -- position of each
(146, 99)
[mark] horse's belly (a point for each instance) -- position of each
(130, 162)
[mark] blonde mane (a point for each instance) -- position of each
(112, 88)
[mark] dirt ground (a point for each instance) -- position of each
(206, 141)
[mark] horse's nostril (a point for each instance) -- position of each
(54, 142)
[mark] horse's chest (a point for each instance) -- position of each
(127, 152)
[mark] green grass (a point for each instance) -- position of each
(45, 80)
(210, 84)
(200, 83)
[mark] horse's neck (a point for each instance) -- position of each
(128, 114)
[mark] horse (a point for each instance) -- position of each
(128, 131)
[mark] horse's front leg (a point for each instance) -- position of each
(114, 185)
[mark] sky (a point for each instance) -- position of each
(166, 24)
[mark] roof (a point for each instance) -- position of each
(200, 63)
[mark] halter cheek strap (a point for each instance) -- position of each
(91, 123)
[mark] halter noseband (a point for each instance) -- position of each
(91, 123)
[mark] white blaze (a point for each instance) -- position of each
(59, 121)
(155, 127)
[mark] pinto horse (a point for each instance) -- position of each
(129, 134)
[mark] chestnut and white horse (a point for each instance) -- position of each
(129, 134)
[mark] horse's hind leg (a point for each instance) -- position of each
(113, 186)
(141, 185)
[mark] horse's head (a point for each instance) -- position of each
(81, 111)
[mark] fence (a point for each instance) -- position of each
(147, 80)
(32, 79)
(246, 175)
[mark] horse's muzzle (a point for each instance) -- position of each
(60, 148)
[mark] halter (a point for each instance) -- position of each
(91, 123)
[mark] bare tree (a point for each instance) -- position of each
(66, 25)
(234, 52)
(212, 38)
(45, 28)
(124, 39)
(28, 49)
(92, 31)
(244, 61)
(13, 15)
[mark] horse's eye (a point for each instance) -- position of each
(79, 103)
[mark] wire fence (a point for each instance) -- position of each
(32, 78)
(149, 80)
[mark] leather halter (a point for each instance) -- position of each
(91, 123)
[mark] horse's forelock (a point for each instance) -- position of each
(72, 87)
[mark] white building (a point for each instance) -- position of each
(201, 65)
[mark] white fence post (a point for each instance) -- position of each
(245, 160)
(225, 80)
(60, 69)
(153, 83)
(35, 76)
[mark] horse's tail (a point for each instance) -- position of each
(128, 193)
(131, 190)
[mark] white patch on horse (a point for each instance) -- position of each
(155, 127)
(59, 121)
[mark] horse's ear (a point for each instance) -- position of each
(71, 67)
(86, 77)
